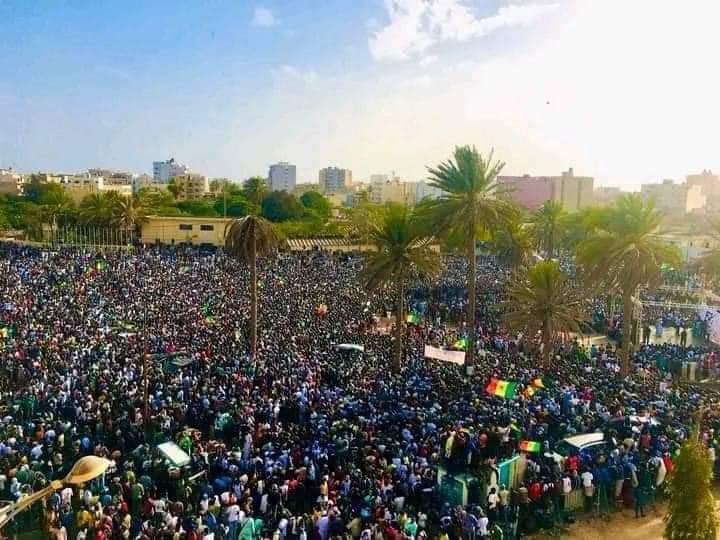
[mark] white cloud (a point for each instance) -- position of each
(263, 17)
(417, 25)
(427, 60)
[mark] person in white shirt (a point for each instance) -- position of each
(483, 526)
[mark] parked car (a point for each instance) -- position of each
(592, 444)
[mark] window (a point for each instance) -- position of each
(185, 227)
(207, 227)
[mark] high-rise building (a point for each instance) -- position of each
(573, 192)
(334, 179)
(163, 171)
(282, 177)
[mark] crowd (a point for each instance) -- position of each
(307, 440)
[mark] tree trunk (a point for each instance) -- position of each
(253, 299)
(472, 275)
(547, 348)
(399, 326)
(627, 332)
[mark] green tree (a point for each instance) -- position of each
(129, 214)
(281, 206)
(543, 300)
(358, 221)
(469, 206)
(235, 205)
(691, 513)
(511, 242)
(317, 203)
(98, 209)
(401, 252)
(158, 202)
(197, 208)
(624, 255)
(255, 190)
(247, 239)
(546, 226)
(579, 225)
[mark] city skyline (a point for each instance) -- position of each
(373, 86)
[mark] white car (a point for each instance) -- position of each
(592, 443)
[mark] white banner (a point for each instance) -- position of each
(456, 357)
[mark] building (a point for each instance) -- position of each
(531, 192)
(282, 177)
(11, 183)
(178, 230)
(394, 191)
(691, 246)
(425, 191)
(334, 179)
(163, 171)
(710, 186)
(674, 199)
(605, 196)
(191, 186)
(145, 181)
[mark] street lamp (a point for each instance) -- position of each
(84, 470)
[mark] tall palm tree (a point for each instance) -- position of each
(543, 300)
(129, 214)
(546, 226)
(97, 208)
(401, 251)
(624, 255)
(247, 239)
(468, 205)
(255, 190)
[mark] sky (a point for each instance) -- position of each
(626, 91)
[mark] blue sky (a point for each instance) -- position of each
(229, 86)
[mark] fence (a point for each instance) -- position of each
(88, 236)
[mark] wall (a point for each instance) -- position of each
(166, 230)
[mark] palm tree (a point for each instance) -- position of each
(546, 226)
(255, 190)
(543, 300)
(247, 239)
(624, 255)
(469, 204)
(511, 243)
(97, 208)
(129, 214)
(401, 252)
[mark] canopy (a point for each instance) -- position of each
(174, 454)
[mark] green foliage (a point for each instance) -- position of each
(158, 202)
(543, 300)
(198, 207)
(255, 190)
(546, 227)
(580, 225)
(511, 243)
(312, 200)
(237, 205)
(691, 514)
(307, 228)
(281, 206)
(45, 193)
(97, 209)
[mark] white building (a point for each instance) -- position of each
(424, 190)
(334, 179)
(282, 177)
(163, 171)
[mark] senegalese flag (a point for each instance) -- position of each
(498, 387)
(542, 382)
(461, 344)
(529, 446)
(529, 391)
(413, 318)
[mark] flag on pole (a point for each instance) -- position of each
(530, 446)
(413, 318)
(461, 344)
(498, 387)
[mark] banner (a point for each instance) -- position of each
(456, 357)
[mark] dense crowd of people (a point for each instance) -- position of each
(306, 439)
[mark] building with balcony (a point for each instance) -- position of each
(334, 179)
(282, 177)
